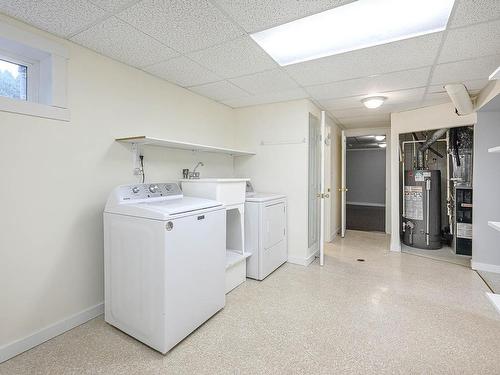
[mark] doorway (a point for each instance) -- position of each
(436, 194)
(366, 183)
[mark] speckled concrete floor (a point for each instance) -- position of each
(393, 313)
(445, 254)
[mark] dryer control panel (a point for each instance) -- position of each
(149, 191)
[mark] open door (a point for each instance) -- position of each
(323, 194)
(343, 188)
(317, 194)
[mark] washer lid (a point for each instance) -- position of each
(163, 209)
(264, 197)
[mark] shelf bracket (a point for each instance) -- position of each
(136, 162)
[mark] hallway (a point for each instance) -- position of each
(392, 313)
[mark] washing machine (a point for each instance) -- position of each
(265, 232)
(164, 262)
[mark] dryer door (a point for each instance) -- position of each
(274, 244)
(274, 222)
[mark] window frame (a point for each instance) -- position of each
(47, 84)
(32, 75)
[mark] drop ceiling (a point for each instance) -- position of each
(204, 46)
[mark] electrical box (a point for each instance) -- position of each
(463, 221)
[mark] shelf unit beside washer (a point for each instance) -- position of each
(231, 192)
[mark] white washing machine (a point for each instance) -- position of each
(164, 262)
(265, 232)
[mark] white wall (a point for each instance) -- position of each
(486, 179)
(56, 177)
(428, 118)
(365, 176)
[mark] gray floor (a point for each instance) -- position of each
(393, 313)
(366, 218)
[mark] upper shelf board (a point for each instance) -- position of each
(143, 140)
(494, 225)
(494, 149)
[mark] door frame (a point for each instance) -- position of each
(374, 131)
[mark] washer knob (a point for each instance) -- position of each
(135, 190)
(153, 188)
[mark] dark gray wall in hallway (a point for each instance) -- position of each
(365, 176)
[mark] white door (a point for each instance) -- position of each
(323, 194)
(314, 184)
(343, 188)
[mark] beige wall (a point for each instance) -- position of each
(428, 118)
(56, 177)
(279, 168)
(281, 164)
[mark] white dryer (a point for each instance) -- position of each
(164, 262)
(265, 232)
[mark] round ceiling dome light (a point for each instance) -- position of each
(374, 101)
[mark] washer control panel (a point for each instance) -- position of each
(149, 191)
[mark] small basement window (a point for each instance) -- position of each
(13, 80)
(32, 74)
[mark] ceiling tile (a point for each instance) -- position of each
(268, 81)
(183, 25)
(274, 97)
(222, 90)
(183, 72)
(119, 40)
(378, 117)
(402, 55)
(113, 5)
(371, 85)
(61, 17)
(366, 123)
(468, 70)
(473, 11)
(235, 58)
(256, 15)
(471, 42)
(393, 98)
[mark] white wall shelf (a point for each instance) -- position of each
(494, 225)
(494, 149)
(168, 143)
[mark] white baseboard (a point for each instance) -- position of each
(334, 235)
(485, 267)
(366, 204)
(17, 347)
(303, 261)
(495, 300)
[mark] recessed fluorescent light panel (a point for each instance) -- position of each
(361, 24)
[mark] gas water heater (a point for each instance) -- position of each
(422, 209)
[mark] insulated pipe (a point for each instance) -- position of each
(433, 139)
(428, 207)
(460, 98)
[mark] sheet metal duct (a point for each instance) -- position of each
(433, 138)
(460, 98)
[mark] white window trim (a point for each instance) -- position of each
(33, 75)
(48, 61)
